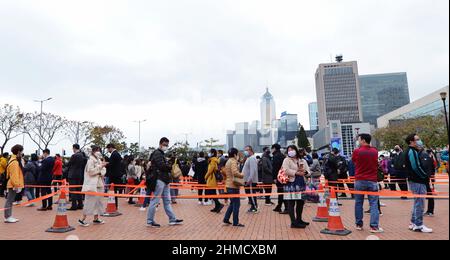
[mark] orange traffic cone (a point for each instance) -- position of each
(335, 226)
(322, 209)
(111, 209)
(61, 224)
(143, 192)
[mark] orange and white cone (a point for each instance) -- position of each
(61, 224)
(111, 209)
(335, 225)
(322, 209)
(142, 193)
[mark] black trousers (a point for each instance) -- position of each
(401, 182)
(117, 190)
(268, 190)
(295, 209)
(216, 200)
(2, 184)
(430, 200)
(281, 201)
(252, 189)
(77, 199)
(40, 192)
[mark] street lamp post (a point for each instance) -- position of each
(140, 122)
(40, 123)
(444, 98)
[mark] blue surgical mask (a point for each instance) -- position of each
(210, 155)
(246, 154)
(420, 143)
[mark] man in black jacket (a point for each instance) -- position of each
(113, 169)
(267, 174)
(160, 173)
(45, 179)
(75, 176)
(277, 163)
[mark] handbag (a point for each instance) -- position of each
(176, 171)
(282, 177)
(191, 173)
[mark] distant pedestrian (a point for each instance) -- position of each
(250, 172)
(15, 183)
(277, 162)
(211, 179)
(234, 182)
(31, 174)
(45, 179)
(75, 174)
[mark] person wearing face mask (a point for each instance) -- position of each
(201, 168)
(418, 179)
(45, 179)
(296, 168)
(132, 178)
(15, 181)
(398, 173)
(158, 182)
(94, 173)
(277, 162)
(233, 188)
(250, 172)
(267, 176)
(211, 179)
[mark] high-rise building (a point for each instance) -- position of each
(313, 116)
(382, 94)
(268, 113)
(288, 128)
(338, 92)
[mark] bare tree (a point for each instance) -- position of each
(79, 132)
(42, 130)
(11, 120)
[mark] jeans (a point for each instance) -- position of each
(373, 201)
(9, 203)
(252, 189)
(419, 203)
(162, 189)
(29, 192)
(233, 208)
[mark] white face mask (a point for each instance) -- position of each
(165, 148)
(292, 154)
(98, 155)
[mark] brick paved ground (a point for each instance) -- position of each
(204, 225)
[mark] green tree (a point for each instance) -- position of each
(303, 141)
(431, 129)
(211, 143)
(102, 136)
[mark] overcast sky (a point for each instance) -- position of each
(199, 66)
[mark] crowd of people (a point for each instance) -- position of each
(292, 171)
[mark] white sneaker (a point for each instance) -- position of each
(209, 203)
(422, 229)
(376, 230)
(16, 203)
(142, 209)
(11, 220)
(200, 203)
(383, 205)
(30, 205)
(411, 226)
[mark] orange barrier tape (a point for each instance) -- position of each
(34, 201)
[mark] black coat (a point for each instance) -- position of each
(201, 169)
(113, 170)
(46, 171)
(267, 170)
(31, 173)
(277, 163)
(76, 165)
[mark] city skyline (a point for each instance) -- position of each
(204, 63)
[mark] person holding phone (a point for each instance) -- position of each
(296, 168)
(93, 182)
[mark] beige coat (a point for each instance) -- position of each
(232, 170)
(292, 166)
(93, 175)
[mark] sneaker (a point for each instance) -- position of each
(49, 208)
(227, 222)
(72, 209)
(239, 225)
(11, 220)
(383, 205)
(254, 211)
(411, 226)
(208, 203)
(30, 205)
(381, 214)
(359, 228)
(154, 225)
(375, 230)
(429, 214)
(142, 209)
(42, 209)
(277, 209)
(367, 212)
(83, 223)
(269, 204)
(422, 229)
(200, 203)
(176, 222)
(298, 226)
(98, 222)
(16, 203)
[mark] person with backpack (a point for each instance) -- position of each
(158, 182)
(14, 181)
(267, 175)
(398, 173)
(75, 176)
(201, 168)
(418, 179)
(277, 163)
(316, 170)
(426, 159)
(31, 174)
(211, 179)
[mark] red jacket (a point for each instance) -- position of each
(365, 159)
(57, 168)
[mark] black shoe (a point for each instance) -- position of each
(298, 226)
(227, 222)
(80, 207)
(219, 209)
(239, 225)
(154, 225)
(132, 203)
(277, 209)
(176, 222)
(72, 209)
(49, 208)
(343, 196)
(285, 212)
(301, 222)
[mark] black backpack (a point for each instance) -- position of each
(151, 175)
(399, 162)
